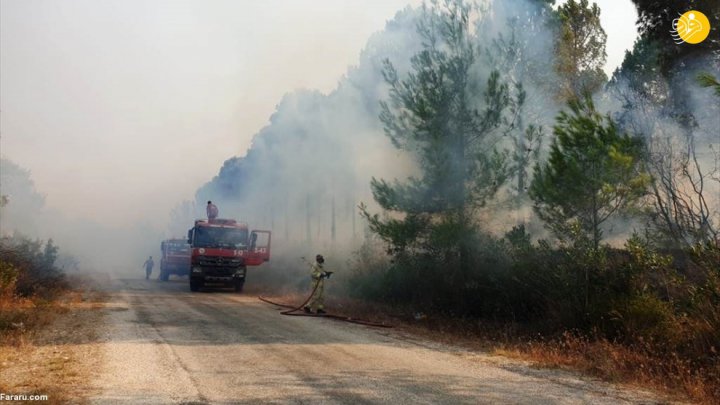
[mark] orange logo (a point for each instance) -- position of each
(692, 28)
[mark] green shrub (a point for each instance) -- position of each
(703, 304)
(8, 278)
(33, 264)
(646, 317)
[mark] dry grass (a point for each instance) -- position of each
(51, 346)
(618, 363)
(600, 358)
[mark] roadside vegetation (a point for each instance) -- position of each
(45, 325)
(636, 304)
(644, 316)
(30, 284)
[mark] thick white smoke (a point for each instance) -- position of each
(306, 172)
(84, 245)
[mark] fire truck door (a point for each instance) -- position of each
(259, 251)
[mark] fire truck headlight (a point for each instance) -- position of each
(196, 270)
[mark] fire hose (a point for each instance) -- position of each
(295, 311)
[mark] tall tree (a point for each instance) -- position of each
(657, 66)
(684, 208)
(593, 172)
(444, 113)
(655, 21)
(661, 104)
(526, 138)
(580, 49)
(523, 53)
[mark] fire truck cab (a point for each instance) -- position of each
(221, 251)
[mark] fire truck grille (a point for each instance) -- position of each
(220, 262)
(220, 271)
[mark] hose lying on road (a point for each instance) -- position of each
(298, 311)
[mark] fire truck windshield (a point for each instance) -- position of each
(209, 237)
(177, 247)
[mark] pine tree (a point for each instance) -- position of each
(593, 172)
(580, 49)
(655, 21)
(435, 113)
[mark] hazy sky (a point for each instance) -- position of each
(122, 108)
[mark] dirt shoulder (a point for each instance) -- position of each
(503, 344)
(57, 357)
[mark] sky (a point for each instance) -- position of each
(123, 108)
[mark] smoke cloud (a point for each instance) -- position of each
(306, 172)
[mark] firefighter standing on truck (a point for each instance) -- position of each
(212, 211)
(149, 263)
(316, 304)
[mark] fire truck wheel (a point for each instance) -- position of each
(239, 284)
(195, 285)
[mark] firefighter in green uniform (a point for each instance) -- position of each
(319, 275)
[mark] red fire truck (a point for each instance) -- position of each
(175, 258)
(221, 250)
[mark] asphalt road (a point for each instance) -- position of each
(163, 344)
